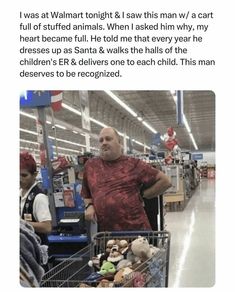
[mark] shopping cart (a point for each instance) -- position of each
(74, 271)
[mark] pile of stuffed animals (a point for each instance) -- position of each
(121, 264)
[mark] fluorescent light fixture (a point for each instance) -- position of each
(28, 115)
(26, 141)
(194, 143)
(32, 117)
(139, 143)
(121, 103)
(149, 127)
(186, 124)
(66, 141)
(71, 109)
(122, 134)
(140, 119)
(98, 123)
(67, 149)
(30, 149)
(29, 132)
(75, 132)
(61, 127)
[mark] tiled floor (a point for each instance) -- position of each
(192, 251)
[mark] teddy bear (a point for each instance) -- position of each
(141, 248)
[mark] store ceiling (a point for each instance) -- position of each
(157, 108)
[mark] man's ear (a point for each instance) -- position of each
(35, 174)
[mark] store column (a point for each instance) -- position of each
(46, 166)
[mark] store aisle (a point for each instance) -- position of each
(192, 253)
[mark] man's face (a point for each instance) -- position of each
(110, 148)
(26, 179)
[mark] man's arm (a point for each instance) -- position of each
(89, 210)
(161, 185)
(42, 227)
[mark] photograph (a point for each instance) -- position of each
(117, 188)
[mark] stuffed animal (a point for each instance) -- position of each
(97, 261)
(110, 244)
(153, 250)
(141, 248)
(123, 246)
(84, 285)
(132, 258)
(122, 276)
(115, 256)
(106, 268)
(139, 279)
(123, 264)
(104, 283)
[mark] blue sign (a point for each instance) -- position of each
(45, 178)
(197, 156)
(179, 107)
(156, 139)
(35, 98)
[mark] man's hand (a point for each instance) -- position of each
(161, 185)
(90, 214)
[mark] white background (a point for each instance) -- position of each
(219, 79)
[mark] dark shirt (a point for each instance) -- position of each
(114, 187)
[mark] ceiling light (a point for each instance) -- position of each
(98, 123)
(186, 124)
(29, 132)
(140, 119)
(28, 115)
(120, 102)
(29, 149)
(75, 132)
(194, 143)
(66, 149)
(26, 141)
(66, 141)
(32, 117)
(71, 109)
(149, 127)
(61, 127)
(121, 134)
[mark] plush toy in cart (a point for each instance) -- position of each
(141, 249)
(97, 261)
(122, 276)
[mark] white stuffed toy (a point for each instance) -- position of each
(142, 249)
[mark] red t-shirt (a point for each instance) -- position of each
(114, 187)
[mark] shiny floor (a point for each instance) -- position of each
(192, 250)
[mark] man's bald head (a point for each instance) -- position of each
(110, 147)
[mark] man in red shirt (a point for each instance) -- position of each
(111, 186)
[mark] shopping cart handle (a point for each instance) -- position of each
(132, 232)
